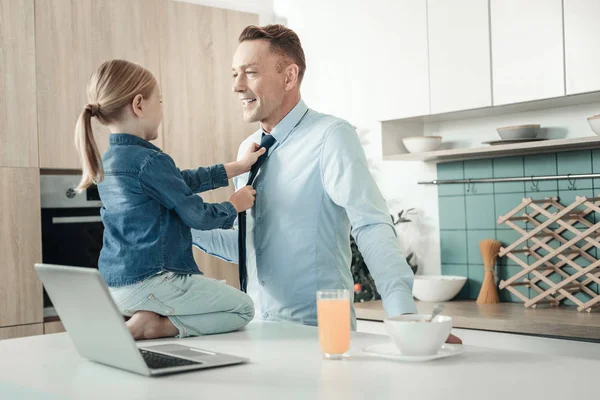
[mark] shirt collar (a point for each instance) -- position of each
(281, 131)
(127, 139)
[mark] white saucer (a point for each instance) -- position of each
(390, 351)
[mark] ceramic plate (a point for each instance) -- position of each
(496, 142)
(390, 351)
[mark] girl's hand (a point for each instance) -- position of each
(251, 156)
(243, 199)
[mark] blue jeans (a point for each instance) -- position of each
(196, 305)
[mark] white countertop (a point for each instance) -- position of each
(286, 364)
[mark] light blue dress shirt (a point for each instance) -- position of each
(314, 186)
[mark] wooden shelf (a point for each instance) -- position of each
(546, 146)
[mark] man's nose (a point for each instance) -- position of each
(239, 85)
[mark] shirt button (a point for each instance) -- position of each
(259, 252)
(260, 188)
(259, 219)
(262, 283)
(266, 315)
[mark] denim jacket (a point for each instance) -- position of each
(148, 208)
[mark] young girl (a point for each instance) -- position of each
(148, 209)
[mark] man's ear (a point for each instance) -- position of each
(136, 105)
(291, 76)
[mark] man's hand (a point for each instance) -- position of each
(453, 340)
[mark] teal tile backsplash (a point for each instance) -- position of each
(453, 246)
(480, 212)
(452, 212)
(574, 162)
(479, 169)
(505, 168)
(453, 170)
(538, 165)
(469, 213)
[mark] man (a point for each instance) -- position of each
(313, 187)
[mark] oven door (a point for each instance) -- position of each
(71, 237)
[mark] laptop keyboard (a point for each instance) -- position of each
(158, 361)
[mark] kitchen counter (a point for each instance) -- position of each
(286, 364)
(563, 322)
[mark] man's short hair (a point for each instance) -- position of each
(282, 40)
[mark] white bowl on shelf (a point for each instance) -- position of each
(518, 132)
(594, 122)
(437, 288)
(422, 144)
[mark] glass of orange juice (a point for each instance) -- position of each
(333, 318)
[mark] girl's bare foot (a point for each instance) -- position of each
(149, 325)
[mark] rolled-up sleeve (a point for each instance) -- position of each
(350, 185)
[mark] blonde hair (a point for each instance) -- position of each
(112, 87)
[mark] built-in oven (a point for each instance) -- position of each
(72, 228)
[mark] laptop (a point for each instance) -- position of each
(98, 329)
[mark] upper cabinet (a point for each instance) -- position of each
(527, 50)
(582, 44)
(459, 55)
(18, 124)
(398, 53)
(72, 39)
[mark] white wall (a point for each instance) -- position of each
(264, 8)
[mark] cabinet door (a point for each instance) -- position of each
(14, 332)
(72, 39)
(527, 50)
(459, 55)
(18, 112)
(582, 42)
(398, 52)
(21, 299)
(203, 118)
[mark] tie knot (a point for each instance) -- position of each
(267, 141)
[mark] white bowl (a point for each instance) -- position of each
(519, 132)
(595, 123)
(437, 287)
(413, 336)
(421, 144)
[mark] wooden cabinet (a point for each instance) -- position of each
(53, 327)
(18, 124)
(527, 50)
(14, 332)
(20, 246)
(72, 39)
(459, 55)
(203, 118)
(582, 41)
